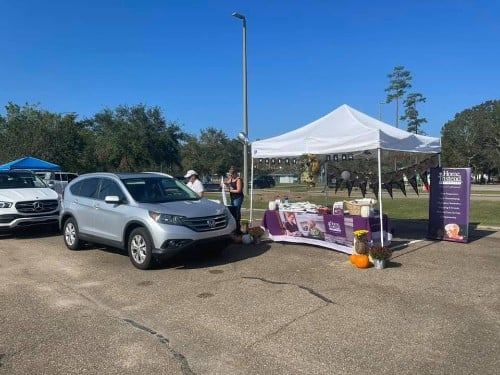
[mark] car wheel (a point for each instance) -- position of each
(70, 234)
(140, 249)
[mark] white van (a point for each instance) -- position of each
(57, 180)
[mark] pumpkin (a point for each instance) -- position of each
(352, 257)
(237, 239)
(360, 260)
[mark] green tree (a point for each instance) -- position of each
(411, 112)
(32, 131)
(212, 154)
(25, 131)
(135, 138)
(472, 139)
(86, 158)
(399, 82)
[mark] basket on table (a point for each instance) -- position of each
(354, 207)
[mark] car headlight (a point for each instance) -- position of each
(167, 219)
(5, 204)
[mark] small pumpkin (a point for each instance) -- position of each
(237, 239)
(360, 260)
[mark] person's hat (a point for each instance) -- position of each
(190, 173)
(232, 169)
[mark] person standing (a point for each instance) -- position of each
(234, 185)
(194, 183)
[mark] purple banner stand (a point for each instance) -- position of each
(330, 231)
(449, 204)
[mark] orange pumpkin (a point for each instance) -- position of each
(352, 258)
(360, 260)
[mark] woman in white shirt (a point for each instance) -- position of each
(194, 183)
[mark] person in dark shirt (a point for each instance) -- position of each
(234, 185)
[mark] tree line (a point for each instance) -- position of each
(124, 139)
(472, 139)
(139, 138)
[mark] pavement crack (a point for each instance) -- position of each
(286, 325)
(310, 290)
(186, 370)
(314, 293)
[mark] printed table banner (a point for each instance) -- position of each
(449, 204)
(331, 231)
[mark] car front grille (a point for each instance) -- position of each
(205, 224)
(36, 207)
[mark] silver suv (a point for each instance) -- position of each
(152, 215)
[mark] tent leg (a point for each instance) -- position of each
(251, 193)
(326, 183)
(380, 197)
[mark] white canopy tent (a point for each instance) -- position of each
(344, 130)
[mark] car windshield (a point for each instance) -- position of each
(17, 180)
(158, 190)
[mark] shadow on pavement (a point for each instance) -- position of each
(201, 258)
(405, 231)
(38, 231)
(196, 257)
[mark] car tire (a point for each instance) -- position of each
(140, 249)
(70, 234)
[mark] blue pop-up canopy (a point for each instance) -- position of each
(31, 163)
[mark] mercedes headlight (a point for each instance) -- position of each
(5, 204)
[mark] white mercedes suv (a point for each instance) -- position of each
(26, 200)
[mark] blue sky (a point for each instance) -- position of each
(305, 58)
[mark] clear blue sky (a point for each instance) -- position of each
(305, 58)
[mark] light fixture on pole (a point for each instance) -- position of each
(245, 102)
(242, 137)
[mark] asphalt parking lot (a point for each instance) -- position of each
(255, 309)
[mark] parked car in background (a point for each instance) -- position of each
(212, 187)
(262, 182)
(151, 215)
(26, 200)
(57, 180)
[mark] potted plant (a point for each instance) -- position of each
(360, 241)
(380, 255)
(256, 233)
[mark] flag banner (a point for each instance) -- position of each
(449, 204)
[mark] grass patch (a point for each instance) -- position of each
(482, 212)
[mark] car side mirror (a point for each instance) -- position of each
(112, 199)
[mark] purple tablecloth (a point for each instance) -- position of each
(332, 231)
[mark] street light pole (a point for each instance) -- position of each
(380, 104)
(245, 102)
